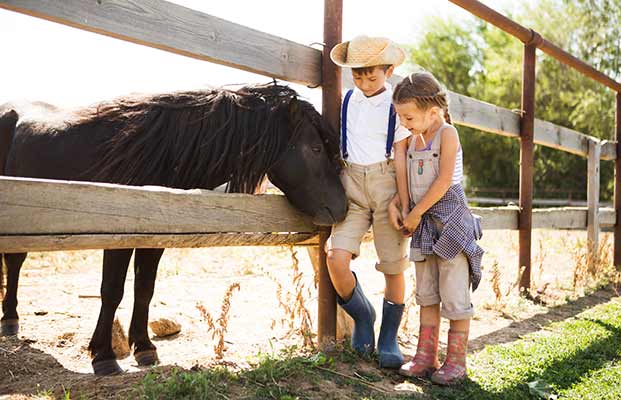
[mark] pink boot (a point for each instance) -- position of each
(454, 368)
(425, 361)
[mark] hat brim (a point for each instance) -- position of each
(391, 55)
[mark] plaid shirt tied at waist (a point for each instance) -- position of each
(459, 233)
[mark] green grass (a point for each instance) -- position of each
(578, 358)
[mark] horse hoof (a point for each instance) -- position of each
(106, 367)
(9, 327)
(146, 357)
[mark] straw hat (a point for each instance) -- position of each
(365, 51)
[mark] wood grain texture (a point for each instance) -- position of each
(16, 244)
(477, 114)
(177, 29)
(47, 207)
(593, 183)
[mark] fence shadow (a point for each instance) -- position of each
(26, 370)
(554, 314)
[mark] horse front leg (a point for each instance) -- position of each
(145, 269)
(115, 263)
(9, 325)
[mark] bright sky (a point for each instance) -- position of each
(46, 61)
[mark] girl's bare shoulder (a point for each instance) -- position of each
(449, 134)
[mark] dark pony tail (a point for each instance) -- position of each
(447, 116)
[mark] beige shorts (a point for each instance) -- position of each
(446, 282)
(370, 188)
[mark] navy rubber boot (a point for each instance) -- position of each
(389, 353)
(363, 314)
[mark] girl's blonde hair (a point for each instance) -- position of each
(423, 89)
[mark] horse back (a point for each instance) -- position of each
(8, 122)
(48, 143)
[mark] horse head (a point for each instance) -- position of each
(308, 170)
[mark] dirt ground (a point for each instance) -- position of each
(59, 306)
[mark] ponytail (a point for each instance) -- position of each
(447, 116)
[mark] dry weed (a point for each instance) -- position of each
(218, 328)
(297, 317)
(592, 270)
(410, 303)
(496, 281)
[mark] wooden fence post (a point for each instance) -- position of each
(595, 150)
(330, 108)
(527, 149)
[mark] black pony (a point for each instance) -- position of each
(198, 139)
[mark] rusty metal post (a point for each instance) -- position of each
(617, 247)
(527, 149)
(331, 107)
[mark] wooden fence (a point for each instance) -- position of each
(42, 215)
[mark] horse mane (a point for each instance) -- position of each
(200, 139)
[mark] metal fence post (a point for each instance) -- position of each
(617, 247)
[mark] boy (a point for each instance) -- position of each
(369, 127)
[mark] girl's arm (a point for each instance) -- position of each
(448, 156)
(401, 148)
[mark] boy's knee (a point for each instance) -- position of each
(338, 259)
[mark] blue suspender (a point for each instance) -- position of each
(344, 123)
(392, 123)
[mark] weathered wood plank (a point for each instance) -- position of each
(609, 150)
(171, 27)
(487, 117)
(494, 218)
(16, 244)
(593, 178)
(497, 217)
(47, 207)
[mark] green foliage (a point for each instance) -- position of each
(481, 61)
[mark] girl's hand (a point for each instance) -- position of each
(412, 220)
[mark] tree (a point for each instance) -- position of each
(481, 61)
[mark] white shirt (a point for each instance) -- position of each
(367, 127)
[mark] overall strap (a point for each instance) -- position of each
(437, 139)
(344, 123)
(392, 123)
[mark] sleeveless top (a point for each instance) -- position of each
(461, 229)
(423, 166)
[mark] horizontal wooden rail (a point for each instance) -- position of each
(28, 243)
(490, 118)
(48, 207)
(171, 27)
(487, 117)
(543, 218)
(45, 215)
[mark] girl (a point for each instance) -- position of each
(431, 203)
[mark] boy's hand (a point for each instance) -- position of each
(394, 215)
(412, 220)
